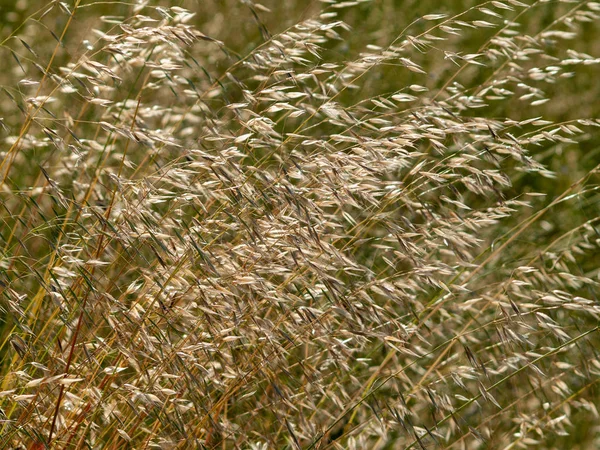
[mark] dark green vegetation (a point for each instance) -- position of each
(299, 224)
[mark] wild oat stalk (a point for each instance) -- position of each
(325, 239)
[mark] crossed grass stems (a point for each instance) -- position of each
(366, 390)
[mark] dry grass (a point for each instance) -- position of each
(329, 240)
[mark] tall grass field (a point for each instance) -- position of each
(300, 224)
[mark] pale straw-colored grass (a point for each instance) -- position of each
(327, 240)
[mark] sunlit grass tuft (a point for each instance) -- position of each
(310, 238)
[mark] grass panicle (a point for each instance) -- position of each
(303, 225)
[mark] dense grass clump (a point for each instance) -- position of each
(305, 225)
